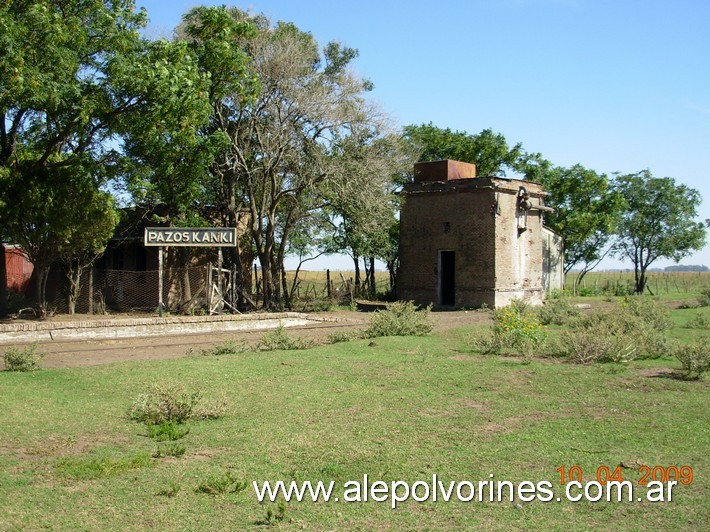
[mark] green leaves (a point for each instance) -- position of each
(658, 221)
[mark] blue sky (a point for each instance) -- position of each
(614, 85)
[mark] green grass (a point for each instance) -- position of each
(666, 285)
(401, 409)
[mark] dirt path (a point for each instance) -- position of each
(64, 354)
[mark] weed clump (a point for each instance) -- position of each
(171, 449)
(228, 347)
(278, 339)
(695, 359)
(167, 431)
(22, 359)
(557, 311)
(634, 329)
(704, 297)
(221, 484)
(166, 403)
(100, 466)
(699, 321)
(401, 318)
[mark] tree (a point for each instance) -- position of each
(488, 150)
(58, 109)
(58, 214)
(88, 231)
(587, 210)
(362, 200)
(657, 221)
(279, 140)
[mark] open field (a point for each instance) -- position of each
(392, 408)
(667, 285)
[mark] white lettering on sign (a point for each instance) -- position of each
(173, 236)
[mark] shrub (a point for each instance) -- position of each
(596, 343)
(171, 449)
(639, 324)
(704, 297)
(516, 327)
(699, 321)
(219, 485)
(558, 311)
(695, 359)
(228, 347)
(483, 341)
(343, 336)
(401, 318)
(163, 403)
(278, 339)
(22, 359)
(651, 312)
(167, 431)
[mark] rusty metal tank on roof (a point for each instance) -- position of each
(440, 171)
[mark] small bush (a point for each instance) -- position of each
(167, 431)
(596, 343)
(695, 359)
(171, 449)
(704, 297)
(558, 311)
(228, 347)
(639, 324)
(483, 341)
(343, 336)
(22, 359)
(699, 321)
(275, 516)
(650, 311)
(164, 403)
(401, 318)
(222, 484)
(517, 327)
(278, 339)
(214, 409)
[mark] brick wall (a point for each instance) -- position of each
(498, 249)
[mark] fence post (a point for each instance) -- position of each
(160, 281)
(327, 280)
(90, 283)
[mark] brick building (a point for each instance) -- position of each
(467, 240)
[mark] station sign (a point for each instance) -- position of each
(190, 236)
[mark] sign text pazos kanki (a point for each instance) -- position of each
(193, 236)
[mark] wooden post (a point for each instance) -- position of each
(327, 280)
(256, 280)
(160, 281)
(219, 273)
(91, 289)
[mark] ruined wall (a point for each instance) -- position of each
(498, 247)
(518, 240)
(458, 218)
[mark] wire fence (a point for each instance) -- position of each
(198, 290)
(622, 283)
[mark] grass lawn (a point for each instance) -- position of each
(394, 409)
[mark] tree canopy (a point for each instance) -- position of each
(657, 221)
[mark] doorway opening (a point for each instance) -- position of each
(447, 278)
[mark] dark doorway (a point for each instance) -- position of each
(447, 278)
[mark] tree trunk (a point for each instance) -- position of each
(356, 261)
(373, 283)
(74, 271)
(41, 287)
